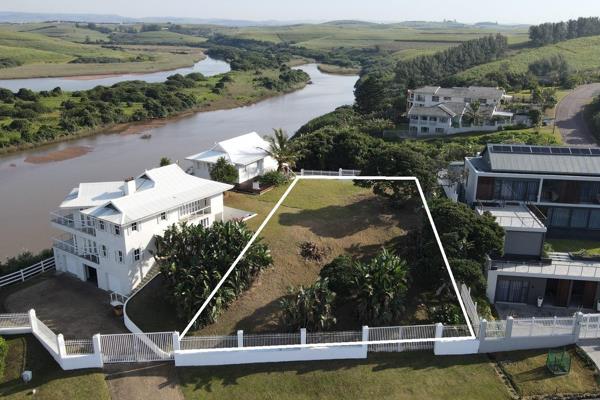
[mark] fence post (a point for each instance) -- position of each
(482, 329)
(176, 344)
(22, 275)
(509, 327)
(577, 325)
(60, 345)
(365, 336)
(439, 330)
(98, 349)
(531, 326)
(240, 337)
(340, 173)
(301, 171)
(302, 335)
(32, 320)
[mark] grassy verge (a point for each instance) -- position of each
(418, 375)
(589, 247)
(49, 381)
(337, 70)
(528, 374)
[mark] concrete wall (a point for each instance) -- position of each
(523, 243)
(493, 345)
(184, 358)
(459, 346)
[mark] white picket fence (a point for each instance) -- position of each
(339, 172)
(27, 273)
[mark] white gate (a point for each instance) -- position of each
(590, 326)
(137, 347)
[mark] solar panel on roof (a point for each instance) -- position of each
(541, 150)
(501, 149)
(521, 149)
(560, 150)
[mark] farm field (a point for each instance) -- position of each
(40, 50)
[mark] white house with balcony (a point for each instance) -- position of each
(433, 110)
(108, 228)
(248, 153)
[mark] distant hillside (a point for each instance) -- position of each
(582, 54)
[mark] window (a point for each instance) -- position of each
(120, 256)
(439, 130)
(204, 222)
(117, 230)
(468, 99)
(447, 98)
(559, 217)
(515, 189)
(163, 216)
(483, 101)
(435, 98)
(443, 119)
(424, 118)
(434, 119)
(136, 255)
(194, 208)
(414, 117)
(594, 219)
(413, 128)
(579, 218)
(103, 251)
(100, 224)
(134, 226)
(420, 97)
(424, 129)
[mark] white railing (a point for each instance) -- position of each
(208, 342)
(79, 347)
(590, 326)
(470, 305)
(339, 172)
(333, 337)
(47, 335)
(495, 329)
(69, 222)
(70, 247)
(542, 326)
(401, 333)
(29, 272)
(117, 299)
(557, 267)
(137, 347)
(13, 321)
(276, 339)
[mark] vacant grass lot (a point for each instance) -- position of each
(527, 370)
(337, 216)
(50, 381)
(418, 375)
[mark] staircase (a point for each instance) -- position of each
(119, 299)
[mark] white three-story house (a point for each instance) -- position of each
(108, 228)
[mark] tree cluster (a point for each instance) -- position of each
(549, 32)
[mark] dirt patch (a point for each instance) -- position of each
(59, 155)
(139, 381)
(67, 305)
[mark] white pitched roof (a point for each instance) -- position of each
(241, 150)
(157, 190)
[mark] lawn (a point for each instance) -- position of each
(527, 371)
(590, 247)
(419, 375)
(338, 217)
(49, 380)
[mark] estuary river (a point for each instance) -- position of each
(30, 191)
(208, 67)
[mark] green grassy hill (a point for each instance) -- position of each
(159, 38)
(66, 31)
(583, 54)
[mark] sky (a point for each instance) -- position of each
(502, 11)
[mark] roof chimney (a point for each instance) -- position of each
(129, 187)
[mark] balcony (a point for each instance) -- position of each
(195, 214)
(69, 246)
(559, 265)
(69, 221)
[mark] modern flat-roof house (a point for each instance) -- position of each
(247, 152)
(108, 228)
(433, 110)
(534, 191)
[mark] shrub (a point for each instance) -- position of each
(23, 260)
(3, 353)
(447, 314)
(340, 273)
(310, 308)
(273, 178)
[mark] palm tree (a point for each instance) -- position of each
(474, 113)
(281, 149)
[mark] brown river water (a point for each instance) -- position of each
(34, 182)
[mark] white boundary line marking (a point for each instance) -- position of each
(364, 178)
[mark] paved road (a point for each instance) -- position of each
(569, 116)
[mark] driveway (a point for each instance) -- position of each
(67, 305)
(569, 116)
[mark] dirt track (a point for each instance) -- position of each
(569, 116)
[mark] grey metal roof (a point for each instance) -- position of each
(534, 161)
(441, 110)
(473, 92)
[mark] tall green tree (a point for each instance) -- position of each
(224, 171)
